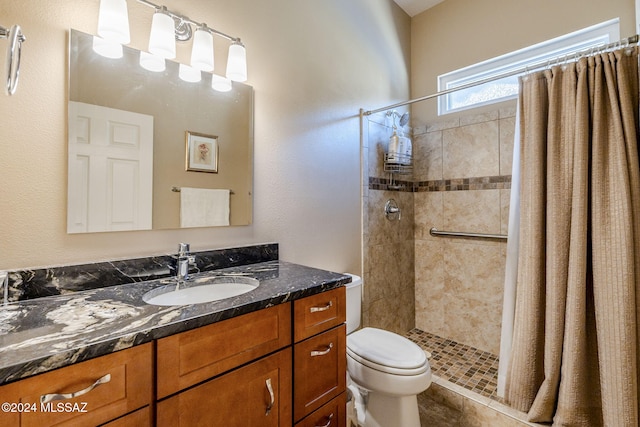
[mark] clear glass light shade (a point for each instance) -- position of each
(237, 62)
(202, 50)
(189, 74)
(152, 62)
(162, 41)
(113, 21)
(221, 84)
(107, 48)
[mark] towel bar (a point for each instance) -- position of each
(434, 232)
(177, 190)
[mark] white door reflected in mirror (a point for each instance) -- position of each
(110, 169)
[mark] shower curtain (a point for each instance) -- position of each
(575, 355)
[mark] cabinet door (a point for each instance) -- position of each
(255, 395)
(319, 370)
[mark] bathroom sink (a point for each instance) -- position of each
(201, 290)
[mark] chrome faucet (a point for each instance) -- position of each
(185, 259)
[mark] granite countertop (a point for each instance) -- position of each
(43, 334)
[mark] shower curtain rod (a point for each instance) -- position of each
(563, 58)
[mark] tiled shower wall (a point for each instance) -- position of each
(463, 174)
(389, 294)
(460, 182)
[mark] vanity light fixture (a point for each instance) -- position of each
(166, 28)
(179, 26)
(113, 21)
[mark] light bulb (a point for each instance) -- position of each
(202, 50)
(113, 21)
(237, 62)
(219, 83)
(162, 41)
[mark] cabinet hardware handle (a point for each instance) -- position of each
(272, 397)
(322, 352)
(328, 423)
(46, 398)
(325, 308)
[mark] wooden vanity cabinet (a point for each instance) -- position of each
(114, 385)
(319, 359)
(270, 368)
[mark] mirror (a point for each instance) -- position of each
(137, 138)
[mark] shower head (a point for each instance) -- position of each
(404, 119)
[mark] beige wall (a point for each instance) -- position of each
(458, 33)
(312, 64)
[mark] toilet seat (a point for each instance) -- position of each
(387, 352)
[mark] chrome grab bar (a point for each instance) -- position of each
(435, 232)
(12, 68)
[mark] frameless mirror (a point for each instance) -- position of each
(148, 150)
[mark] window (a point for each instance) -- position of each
(535, 57)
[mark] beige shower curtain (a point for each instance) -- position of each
(576, 358)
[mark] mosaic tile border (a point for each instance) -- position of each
(466, 366)
(497, 182)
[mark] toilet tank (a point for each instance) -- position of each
(354, 303)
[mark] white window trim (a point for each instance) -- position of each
(605, 32)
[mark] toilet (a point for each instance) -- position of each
(385, 371)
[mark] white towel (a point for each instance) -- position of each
(203, 207)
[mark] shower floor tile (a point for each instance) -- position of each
(466, 366)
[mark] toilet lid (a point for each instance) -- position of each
(386, 349)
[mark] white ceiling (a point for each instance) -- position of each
(414, 7)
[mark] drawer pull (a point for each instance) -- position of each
(46, 398)
(271, 396)
(322, 352)
(325, 308)
(328, 423)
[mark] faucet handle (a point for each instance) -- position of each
(183, 249)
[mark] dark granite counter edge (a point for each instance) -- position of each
(72, 356)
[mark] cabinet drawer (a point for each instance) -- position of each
(319, 370)
(332, 414)
(318, 313)
(194, 356)
(127, 388)
(255, 395)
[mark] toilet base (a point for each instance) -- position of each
(382, 410)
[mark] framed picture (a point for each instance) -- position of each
(201, 152)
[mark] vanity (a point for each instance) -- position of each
(274, 356)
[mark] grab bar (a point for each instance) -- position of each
(14, 51)
(434, 232)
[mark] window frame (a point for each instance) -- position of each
(535, 57)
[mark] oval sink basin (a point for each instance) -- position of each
(201, 290)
